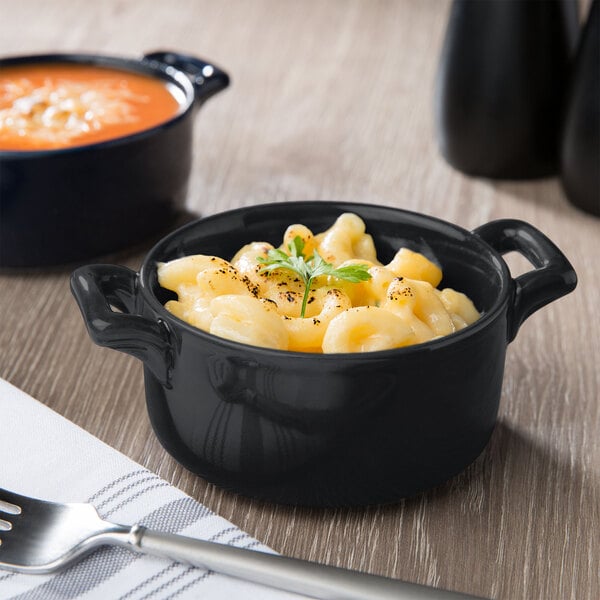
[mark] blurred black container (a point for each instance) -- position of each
(580, 151)
(501, 86)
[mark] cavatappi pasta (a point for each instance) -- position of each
(397, 306)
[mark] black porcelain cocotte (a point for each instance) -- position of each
(326, 429)
(72, 204)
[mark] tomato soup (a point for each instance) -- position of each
(60, 105)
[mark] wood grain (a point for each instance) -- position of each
(333, 100)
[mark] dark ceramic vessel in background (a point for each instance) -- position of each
(580, 151)
(73, 204)
(501, 85)
(337, 429)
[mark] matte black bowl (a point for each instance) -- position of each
(333, 429)
(68, 205)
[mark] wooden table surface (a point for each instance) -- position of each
(333, 100)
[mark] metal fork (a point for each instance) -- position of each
(37, 536)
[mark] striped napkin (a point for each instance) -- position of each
(46, 456)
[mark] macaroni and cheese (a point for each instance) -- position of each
(397, 305)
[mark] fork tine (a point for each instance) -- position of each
(10, 502)
(10, 505)
(11, 496)
(38, 536)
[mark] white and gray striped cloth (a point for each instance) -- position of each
(44, 455)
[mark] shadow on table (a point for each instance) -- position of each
(542, 193)
(514, 469)
(527, 465)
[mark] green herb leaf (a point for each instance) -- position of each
(310, 268)
(296, 246)
(352, 273)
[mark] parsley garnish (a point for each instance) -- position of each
(308, 268)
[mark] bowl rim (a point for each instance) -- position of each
(149, 267)
(150, 67)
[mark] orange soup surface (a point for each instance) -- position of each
(60, 105)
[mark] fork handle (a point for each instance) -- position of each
(285, 573)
